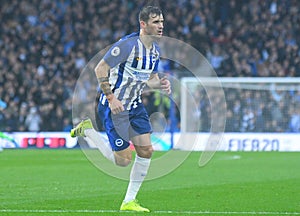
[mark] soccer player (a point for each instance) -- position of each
(128, 66)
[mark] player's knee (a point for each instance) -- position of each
(123, 161)
(145, 151)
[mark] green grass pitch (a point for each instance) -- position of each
(64, 182)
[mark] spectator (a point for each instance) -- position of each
(67, 125)
(33, 120)
(294, 123)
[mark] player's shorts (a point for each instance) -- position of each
(122, 126)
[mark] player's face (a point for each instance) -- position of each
(155, 25)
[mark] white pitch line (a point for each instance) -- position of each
(157, 212)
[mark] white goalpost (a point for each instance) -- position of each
(252, 104)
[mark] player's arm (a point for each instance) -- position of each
(101, 71)
(156, 83)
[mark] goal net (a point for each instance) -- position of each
(252, 104)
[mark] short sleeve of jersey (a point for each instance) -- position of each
(119, 52)
(155, 69)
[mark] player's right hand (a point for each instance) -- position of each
(115, 105)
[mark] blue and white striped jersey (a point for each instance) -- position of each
(131, 66)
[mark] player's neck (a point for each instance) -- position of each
(146, 40)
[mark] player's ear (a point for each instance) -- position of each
(142, 24)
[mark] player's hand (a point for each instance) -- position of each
(115, 105)
(165, 85)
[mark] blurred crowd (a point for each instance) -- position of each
(268, 109)
(45, 44)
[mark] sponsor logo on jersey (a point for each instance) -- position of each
(141, 76)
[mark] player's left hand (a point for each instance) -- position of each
(165, 85)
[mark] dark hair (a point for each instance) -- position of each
(147, 10)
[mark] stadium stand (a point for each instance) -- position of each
(45, 44)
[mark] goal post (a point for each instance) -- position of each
(251, 104)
